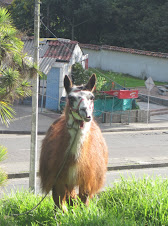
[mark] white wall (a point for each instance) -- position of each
(65, 68)
(78, 56)
(133, 64)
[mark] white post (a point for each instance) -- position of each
(33, 148)
(148, 107)
(149, 85)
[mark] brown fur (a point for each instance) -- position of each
(90, 167)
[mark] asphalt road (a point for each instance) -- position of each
(124, 147)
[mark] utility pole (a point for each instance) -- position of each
(34, 124)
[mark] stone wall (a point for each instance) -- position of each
(124, 116)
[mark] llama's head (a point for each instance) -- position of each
(80, 99)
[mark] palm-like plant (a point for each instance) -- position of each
(14, 71)
(14, 74)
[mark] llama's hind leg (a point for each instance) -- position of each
(71, 196)
(84, 196)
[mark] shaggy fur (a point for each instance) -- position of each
(85, 166)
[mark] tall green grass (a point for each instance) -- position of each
(129, 202)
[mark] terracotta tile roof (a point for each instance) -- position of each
(62, 51)
(126, 50)
(50, 51)
(57, 48)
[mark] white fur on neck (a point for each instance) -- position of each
(78, 134)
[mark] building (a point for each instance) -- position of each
(56, 59)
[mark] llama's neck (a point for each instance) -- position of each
(77, 135)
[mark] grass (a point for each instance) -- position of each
(124, 80)
(129, 202)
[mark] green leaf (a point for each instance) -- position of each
(6, 113)
(3, 175)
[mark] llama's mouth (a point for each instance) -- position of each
(87, 119)
(85, 115)
(82, 116)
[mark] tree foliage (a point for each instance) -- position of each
(14, 70)
(136, 24)
(79, 74)
(23, 15)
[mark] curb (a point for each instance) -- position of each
(157, 100)
(134, 129)
(109, 168)
(103, 130)
(20, 132)
(142, 166)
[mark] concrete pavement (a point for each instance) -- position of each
(22, 122)
(22, 125)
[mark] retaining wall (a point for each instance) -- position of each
(124, 117)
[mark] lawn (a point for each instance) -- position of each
(124, 80)
(129, 202)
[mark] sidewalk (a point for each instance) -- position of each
(22, 125)
(22, 122)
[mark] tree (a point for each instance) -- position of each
(83, 20)
(126, 23)
(14, 74)
(14, 70)
(138, 24)
(22, 12)
(65, 18)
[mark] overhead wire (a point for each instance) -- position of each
(98, 71)
(76, 55)
(59, 40)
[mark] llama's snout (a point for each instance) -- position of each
(85, 114)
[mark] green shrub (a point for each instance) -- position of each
(79, 75)
(3, 175)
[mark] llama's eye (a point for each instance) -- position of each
(92, 98)
(71, 99)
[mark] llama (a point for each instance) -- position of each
(74, 153)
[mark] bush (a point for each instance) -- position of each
(3, 175)
(79, 75)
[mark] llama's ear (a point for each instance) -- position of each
(67, 83)
(91, 83)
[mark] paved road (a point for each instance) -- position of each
(124, 148)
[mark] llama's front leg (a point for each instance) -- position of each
(59, 197)
(62, 195)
